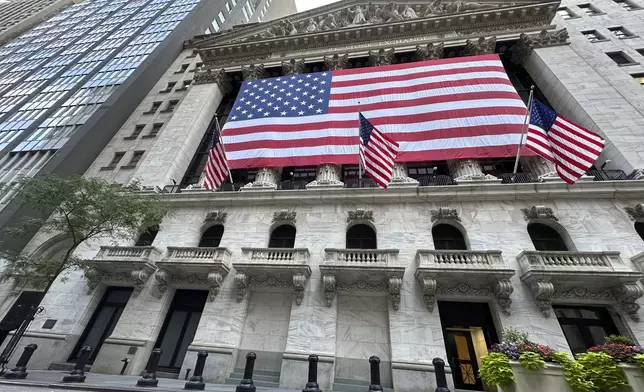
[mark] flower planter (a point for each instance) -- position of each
(635, 376)
(549, 379)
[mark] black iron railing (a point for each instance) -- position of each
(437, 180)
(360, 183)
(517, 178)
(607, 175)
(294, 184)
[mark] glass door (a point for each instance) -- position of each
(462, 360)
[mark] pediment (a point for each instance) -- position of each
(351, 14)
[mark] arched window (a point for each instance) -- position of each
(448, 237)
(282, 237)
(361, 237)
(639, 228)
(211, 237)
(147, 237)
(546, 238)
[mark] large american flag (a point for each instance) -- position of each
(216, 170)
(377, 153)
(573, 149)
(435, 110)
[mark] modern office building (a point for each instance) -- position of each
(293, 261)
(16, 16)
(68, 84)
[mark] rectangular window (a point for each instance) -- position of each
(115, 161)
(620, 58)
(136, 157)
(639, 78)
(185, 85)
(245, 14)
(627, 5)
(640, 51)
(221, 16)
(621, 32)
(593, 35)
(182, 69)
(590, 10)
(171, 105)
(215, 26)
(566, 13)
(584, 326)
(228, 7)
(155, 106)
(169, 87)
(137, 131)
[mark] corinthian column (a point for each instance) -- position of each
(469, 171)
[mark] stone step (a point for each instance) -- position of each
(350, 381)
(355, 388)
(263, 384)
(170, 375)
(256, 377)
(259, 372)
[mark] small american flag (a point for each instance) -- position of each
(377, 153)
(216, 169)
(573, 149)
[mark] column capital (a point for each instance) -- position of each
(267, 179)
(253, 72)
(481, 46)
(381, 57)
(468, 171)
(209, 76)
(430, 51)
(400, 177)
(328, 176)
(293, 67)
(522, 49)
(335, 62)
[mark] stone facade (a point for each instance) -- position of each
(345, 304)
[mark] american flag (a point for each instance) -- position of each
(377, 153)
(435, 110)
(216, 169)
(573, 149)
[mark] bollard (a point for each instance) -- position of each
(78, 374)
(439, 370)
(196, 381)
(312, 385)
(246, 385)
(375, 374)
(20, 370)
(149, 379)
(187, 374)
(125, 361)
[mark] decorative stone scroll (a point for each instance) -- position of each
(216, 217)
(137, 278)
(626, 295)
(253, 72)
(293, 67)
(543, 292)
(209, 76)
(539, 212)
(336, 62)
(299, 280)
(445, 214)
(521, 50)
(635, 213)
(328, 281)
(284, 216)
(429, 292)
(502, 290)
(381, 57)
(359, 215)
(482, 46)
(394, 284)
(430, 51)
(241, 283)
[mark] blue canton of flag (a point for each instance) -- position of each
(286, 96)
(377, 153)
(365, 130)
(542, 116)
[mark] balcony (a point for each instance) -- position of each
(437, 180)
(607, 175)
(122, 265)
(580, 277)
(362, 270)
(272, 267)
(517, 178)
(193, 267)
(464, 273)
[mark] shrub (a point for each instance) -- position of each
(574, 373)
(496, 370)
(514, 336)
(600, 369)
(619, 339)
(619, 352)
(532, 361)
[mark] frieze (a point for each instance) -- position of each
(216, 217)
(361, 286)
(285, 216)
(539, 212)
(578, 292)
(522, 49)
(445, 214)
(464, 289)
(137, 278)
(209, 76)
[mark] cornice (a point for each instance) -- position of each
(436, 194)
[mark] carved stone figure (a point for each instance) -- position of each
(358, 16)
(390, 13)
(482, 46)
(328, 23)
(409, 13)
(430, 52)
(312, 26)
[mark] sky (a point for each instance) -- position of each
(304, 5)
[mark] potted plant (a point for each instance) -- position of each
(628, 357)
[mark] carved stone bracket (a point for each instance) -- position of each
(502, 290)
(216, 217)
(214, 284)
(137, 278)
(209, 76)
(329, 288)
(293, 67)
(284, 216)
(626, 295)
(521, 50)
(299, 280)
(429, 292)
(359, 215)
(539, 212)
(163, 279)
(336, 62)
(430, 51)
(445, 214)
(381, 57)
(394, 285)
(241, 282)
(253, 72)
(543, 292)
(482, 46)
(635, 213)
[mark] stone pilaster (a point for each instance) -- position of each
(328, 176)
(400, 177)
(469, 171)
(267, 179)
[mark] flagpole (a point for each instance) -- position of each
(223, 147)
(523, 129)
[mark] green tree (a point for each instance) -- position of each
(83, 209)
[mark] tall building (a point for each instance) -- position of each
(291, 261)
(68, 84)
(17, 16)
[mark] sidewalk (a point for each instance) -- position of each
(51, 380)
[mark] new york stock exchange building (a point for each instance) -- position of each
(296, 260)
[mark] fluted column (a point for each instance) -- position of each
(469, 171)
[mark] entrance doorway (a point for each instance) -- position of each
(103, 321)
(468, 331)
(179, 328)
(24, 305)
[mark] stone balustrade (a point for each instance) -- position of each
(196, 254)
(580, 276)
(128, 253)
(465, 258)
(362, 256)
(269, 255)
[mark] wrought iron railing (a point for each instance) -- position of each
(517, 178)
(289, 185)
(607, 175)
(360, 183)
(437, 180)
